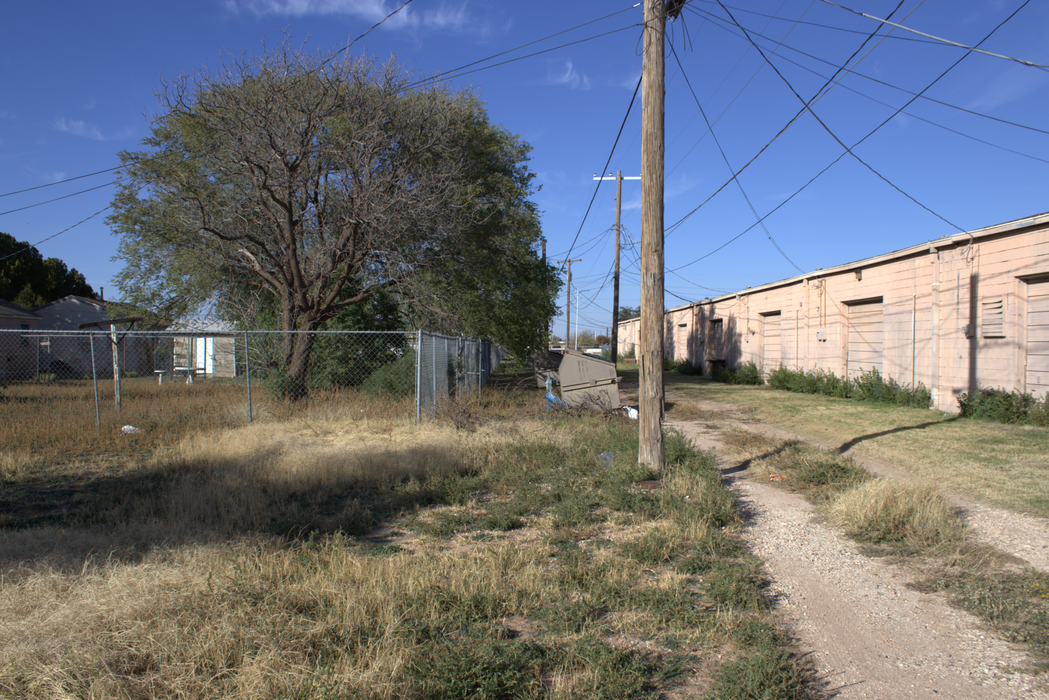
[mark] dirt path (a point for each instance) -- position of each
(869, 635)
(1022, 536)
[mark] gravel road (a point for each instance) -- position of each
(869, 635)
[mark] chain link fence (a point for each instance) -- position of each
(449, 364)
(397, 365)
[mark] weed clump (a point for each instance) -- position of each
(883, 511)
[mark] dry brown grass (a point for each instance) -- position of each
(213, 560)
(882, 510)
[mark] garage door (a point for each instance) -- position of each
(770, 358)
(865, 338)
(1038, 339)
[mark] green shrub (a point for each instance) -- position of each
(747, 373)
(869, 386)
(1005, 407)
(395, 379)
(687, 368)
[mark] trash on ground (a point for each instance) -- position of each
(554, 402)
(131, 430)
(777, 477)
(631, 413)
(607, 458)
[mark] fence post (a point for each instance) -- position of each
(116, 363)
(418, 376)
(247, 370)
(94, 380)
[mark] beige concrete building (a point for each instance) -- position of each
(961, 311)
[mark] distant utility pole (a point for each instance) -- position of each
(615, 279)
(568, 300)
(650, 358)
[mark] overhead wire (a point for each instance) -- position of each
(56, 199)
(720, 22)
(626, 116)
(922, 96)
(1030, 64)
(669, 230)
(710, 130)
(61, 182)
(886, 121)
(808, 107)
(68, 228)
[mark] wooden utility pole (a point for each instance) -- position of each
(615, 279)
(650, 358)
(568, 300)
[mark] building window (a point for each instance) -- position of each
(993, 317)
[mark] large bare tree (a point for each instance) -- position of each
(305, 177)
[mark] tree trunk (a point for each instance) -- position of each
(297, 350)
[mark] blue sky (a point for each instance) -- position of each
(79, 80)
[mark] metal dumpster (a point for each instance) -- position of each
(588, 381)
(546, 365)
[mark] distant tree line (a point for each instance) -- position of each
(29, 279)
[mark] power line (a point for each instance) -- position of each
(56, 199)
(920, 95)
(597, 188)
(61, 182)
(808, 107)
(1030, 64)
(460, 70)
(739, 184)
(719, 22)
(371, 29)
(34, 245)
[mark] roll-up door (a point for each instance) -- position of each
(770, 338)
(1038, 339)
(866, 335)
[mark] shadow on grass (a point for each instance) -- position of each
(845, 447)
(67, 521)
(745, 464)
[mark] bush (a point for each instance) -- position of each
(687, 368)
(1002, 406)
(748, 373)
(869, 386)
(396, 379)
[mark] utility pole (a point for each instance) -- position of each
(615, 278)
(650, 359)
(577, 319)
(568, 300)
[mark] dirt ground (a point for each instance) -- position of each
(868, 633)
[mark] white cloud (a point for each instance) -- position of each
(83, 129)
(446, 16)
(78, 128)
(569, 76)
(1012, 84)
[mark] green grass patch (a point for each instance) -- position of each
(1015, 602)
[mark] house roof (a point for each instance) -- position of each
(72, 297)
(11, 310)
